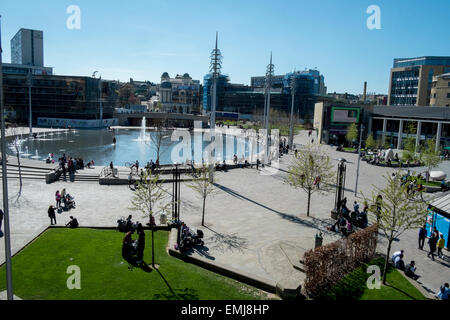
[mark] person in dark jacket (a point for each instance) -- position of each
(73, 223)
(140, 244)
(422, 236)
(432, 241)
(52, 214)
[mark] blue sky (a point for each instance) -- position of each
(142, 39)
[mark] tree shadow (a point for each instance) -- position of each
(227, 242)
(175, 294)
(283, 215)
(401, 291)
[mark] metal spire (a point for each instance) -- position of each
(215, 66)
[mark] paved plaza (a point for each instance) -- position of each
(257, 223)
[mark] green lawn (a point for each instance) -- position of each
(39, 271)
(353, 286)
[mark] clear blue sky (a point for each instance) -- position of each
(142, 39)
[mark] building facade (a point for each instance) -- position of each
(68, 97)
(27, 47)
(440, 90)
(389, 125)
(180, 94)
(411, 79)
(248, 101)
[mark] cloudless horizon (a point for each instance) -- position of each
(142, 39)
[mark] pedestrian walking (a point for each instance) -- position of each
(440, 246)
(129, 180)
(422, 236)
(58, 199)
(52, 214)
(432, 241)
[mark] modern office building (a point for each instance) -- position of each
(58, 97)
(319, 87)
(27, 47)
(180, 94)
(440, 90)
(411, 79)
(248, 101)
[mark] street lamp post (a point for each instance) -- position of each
(291, 121)
(30, 119)
(100, 97)
(9, 287)
(359, 158)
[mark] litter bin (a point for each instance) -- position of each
(163, 219)
(319, 240)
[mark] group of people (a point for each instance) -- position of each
(73, 223)
(435, 241)
(133, 250)
(348, 219)
(65, 198)
(72, 164)
(409, 269)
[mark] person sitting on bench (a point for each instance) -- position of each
(73, 223)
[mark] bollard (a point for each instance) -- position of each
(319, 240)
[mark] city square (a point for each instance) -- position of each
(176, 162)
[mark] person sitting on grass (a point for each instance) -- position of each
(410, 270)
(73, 223)
(140, 244)
(399, 263)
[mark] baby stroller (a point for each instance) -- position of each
(70, 201)
(125, 225)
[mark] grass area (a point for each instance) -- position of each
(353, 286)
(39, 271)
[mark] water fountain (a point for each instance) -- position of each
(26, 154)
(36, 156)
(143, 136)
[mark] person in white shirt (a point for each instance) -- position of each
(396, 254)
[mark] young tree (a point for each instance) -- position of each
(352, 133)
(312, 171)
(150, 199)
(409, 151)
(430, 156)
(16, 143)
(157, 139)
(396, 210)
(370, 142)
(203, 185)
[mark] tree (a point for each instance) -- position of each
(150, 199)
(158, 137)
(203, 185)
(311, 170)
(409, 152)
(16, 143)
(370, 142)
(397, 210)
(352, 133)
(430, 156)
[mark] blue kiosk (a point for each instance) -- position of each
(439, 217)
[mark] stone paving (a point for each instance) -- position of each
(256, 223)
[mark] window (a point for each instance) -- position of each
(448, 95)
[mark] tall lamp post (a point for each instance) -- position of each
(359, 157)
(291, 121)
(100, 97)
(30, 118)
(9, 286)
